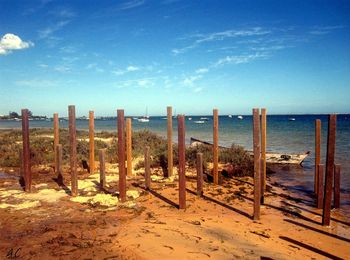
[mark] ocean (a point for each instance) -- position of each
(283, 135)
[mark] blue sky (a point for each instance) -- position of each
(287, 56)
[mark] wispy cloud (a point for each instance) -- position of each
(131, 4)
(95, 67)
(141, 83)
(10, 42)
(321, 30)
(48, 31)
(202, 70)
(120, 72)
(189, 81)
(199, 39)
(197, 90)
(36, 83)
(239, 59)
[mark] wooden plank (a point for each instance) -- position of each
(327, 202)
(170, 141)
(199, 174)
(263, 153)
(337, 186)
(320, 174)
(317, 152)
(56, 137)
(128, 147)
(102, 169)
(26, 151)
(181, 147)
(92, 141)
(121, 156)
(257, 162)
(216, 146)
(147, 168)
(58, 158)
(73, 150)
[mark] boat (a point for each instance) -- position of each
(199, 121)
(204, 119)
(230, 116)
(271, 157)
(143, 119)
(240, 117)
(190, 118)
(291, 119)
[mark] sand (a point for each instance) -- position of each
(48, 223)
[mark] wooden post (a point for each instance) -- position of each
(92, 141)
(199, 174)
(182, 175)
(327, 202)
(257, 162)
(102, 169)
(121, 156)
(73, 151)
(170, 141)
(26, 152)
(147, 169)
(56, 137)
(263, 153)
(317, 152)
(215, 146)
(58, 159)
(320, 174)
(128, 147)
(337, 186)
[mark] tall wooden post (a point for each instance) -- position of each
(317, 152)
(128, 147)
(337, 186)
(327, 202)
(92, 141)
(199, 174)
(263, 153)
(121, 156)
(26, 151)
(170, 141)
(320, 174)
(182, 175)
(215, 146)
(73, 150)
(102, 169)
(257, 162)
(56, 137)
(59, 172)
(147, 169)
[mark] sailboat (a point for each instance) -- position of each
(144, 119)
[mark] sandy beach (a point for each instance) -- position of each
(48, 223)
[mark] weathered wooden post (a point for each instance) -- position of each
(182, 174)
(26, 151)
(147, 169)
(215, 146)
(121, 156)
(320, 171)
(199, 174)
(317, 152)
(58, 159)
(92, 141)
(332, 119)
(128, 147)
(170, 141)
(56, 137)
(257, 162)
(73, 150)
(263, 153)
(337, 186)
(102, 169)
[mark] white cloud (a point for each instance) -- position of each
(239, 59)
(37, 83)
(132, 68)
(120, 72)
(321, 30)
(189, 81)
(202, 70)
(197, 90)
(131, 4)
(10, 42)
(48, 31)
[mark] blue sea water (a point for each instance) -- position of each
(283, 136)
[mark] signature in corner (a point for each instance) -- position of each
(13, 253)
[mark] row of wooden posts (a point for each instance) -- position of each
(324, 184)
(259, 150)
